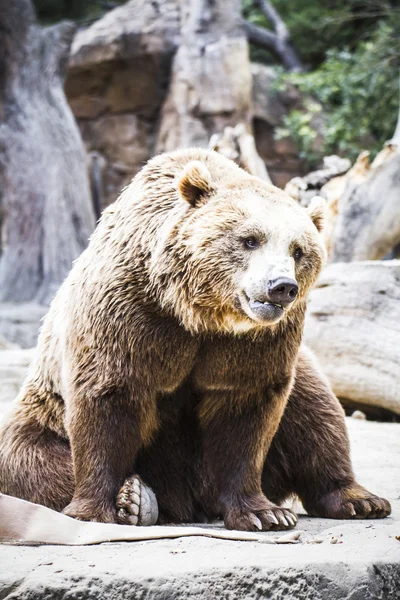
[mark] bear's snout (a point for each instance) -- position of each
(282, 291)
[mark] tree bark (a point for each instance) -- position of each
(211, 83)
(45, 195)
(368, 221)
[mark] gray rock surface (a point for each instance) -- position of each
(356, 560)
(133, 29)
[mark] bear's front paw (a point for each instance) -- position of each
(273, 518)
(354, 502)
(136, 503)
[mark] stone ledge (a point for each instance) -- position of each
(364, 564)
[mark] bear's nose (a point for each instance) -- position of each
(282, 290)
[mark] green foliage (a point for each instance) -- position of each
(359, 92)
(352, 51)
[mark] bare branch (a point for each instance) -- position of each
(273, 16)
(283, 49)
(260, 36)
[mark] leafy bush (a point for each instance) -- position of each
(359, 92)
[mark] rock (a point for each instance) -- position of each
(133, 29)
(353, 326)
(117, 80)
(121, 68)
(20, 323)
(363, 564)
(270, 105)
(123, 142)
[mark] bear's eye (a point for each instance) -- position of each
(251, 243)
(298, 253)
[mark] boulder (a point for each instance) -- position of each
(117, 79)
(353, 326)
(133, 29)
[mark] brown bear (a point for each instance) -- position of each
(172, 350)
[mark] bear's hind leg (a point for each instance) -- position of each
(35, 464)
(310, 454)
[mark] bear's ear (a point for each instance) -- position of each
(317, 212)
(195, 182)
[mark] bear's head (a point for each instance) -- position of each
(242, 255)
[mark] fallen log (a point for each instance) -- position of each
(353, 326)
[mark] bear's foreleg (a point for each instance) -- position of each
(106, 434)
(310, 454)
(236, 435)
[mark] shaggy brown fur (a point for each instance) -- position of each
(308, 457)
(162, 354)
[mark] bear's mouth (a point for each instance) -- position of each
(264, 311)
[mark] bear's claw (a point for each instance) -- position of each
(367, 508)
(352, 503)
(136, 503)
(277, 519)
(271, 519)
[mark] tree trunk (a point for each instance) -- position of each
(368, 220)
(46, 206)
(211, 83)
